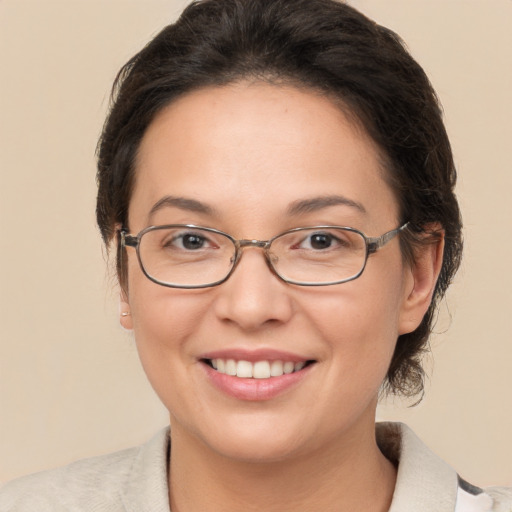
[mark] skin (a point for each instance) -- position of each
(249, 151)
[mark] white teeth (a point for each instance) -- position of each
(257, 370)
(288, 367)
(231, 367)
(299, 366)
(244, 369)
(261, 370)
(276, 368)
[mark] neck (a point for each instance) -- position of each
(349, 474)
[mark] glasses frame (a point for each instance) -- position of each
(373, 244)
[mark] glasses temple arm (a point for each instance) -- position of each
(375, 243)
(128, 240)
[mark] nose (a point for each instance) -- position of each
(253, 297)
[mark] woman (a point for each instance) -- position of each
(278, 184)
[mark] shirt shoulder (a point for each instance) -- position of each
(474, 499)
(502, 498)
(426, 483)
(132, 480)
(87, 485)
(493, 499)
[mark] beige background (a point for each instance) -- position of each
(70, 382)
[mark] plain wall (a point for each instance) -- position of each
(70, 382)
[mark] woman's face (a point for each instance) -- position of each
(245, 155)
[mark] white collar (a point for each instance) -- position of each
(424, 481)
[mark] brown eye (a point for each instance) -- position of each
(186, 242)
(320, 241)
(192, 241)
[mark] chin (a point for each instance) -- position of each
(254, 450)
(254, 440)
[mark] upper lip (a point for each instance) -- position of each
(254, 355)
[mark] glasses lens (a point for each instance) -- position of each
(184, 256)
(319, 255)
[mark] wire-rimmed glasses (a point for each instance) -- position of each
(190, 256)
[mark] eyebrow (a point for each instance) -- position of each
(183, 203)
(318, 203)
(296, 208)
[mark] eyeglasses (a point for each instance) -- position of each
(188, 256)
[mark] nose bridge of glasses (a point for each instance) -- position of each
(253, 243)
(261, 244)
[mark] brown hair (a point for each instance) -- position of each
(319, 44)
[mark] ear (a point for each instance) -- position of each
(421, 281)
(125, 316)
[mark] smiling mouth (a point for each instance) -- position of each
(256, 370)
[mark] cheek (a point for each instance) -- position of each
(163, 317)
(160, 315)
(359, 324)
(163, 320)
(357, 314)
(362, 347)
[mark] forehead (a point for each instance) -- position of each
(256, 147)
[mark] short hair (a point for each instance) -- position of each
(321, 45)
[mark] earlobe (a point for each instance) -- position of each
(423, 274)
(125, 316)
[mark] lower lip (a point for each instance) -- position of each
(255, 389)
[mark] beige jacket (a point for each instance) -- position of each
(135, 480)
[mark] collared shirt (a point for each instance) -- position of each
(427, 483)
(135, 480)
